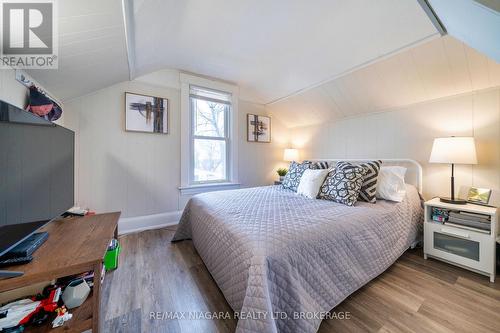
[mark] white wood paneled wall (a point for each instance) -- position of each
(139, 173)
(408, 132)
(440, 68)
(136, 173)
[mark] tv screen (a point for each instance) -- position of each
(36, 167)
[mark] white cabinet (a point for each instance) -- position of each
(460, 245)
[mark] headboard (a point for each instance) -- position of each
(413, 172)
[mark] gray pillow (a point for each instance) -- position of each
(343, 183)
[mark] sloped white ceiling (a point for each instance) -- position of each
(92, 48)
(271, 49)
(439, 68)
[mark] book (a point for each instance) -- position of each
(469, 223)
(469, 218)
(472, 216)
(458, 218)
(440, 211)
(438, 218)
(439, 215)
(468, 228)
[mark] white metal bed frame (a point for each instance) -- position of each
(413, 174)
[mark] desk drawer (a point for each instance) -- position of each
(464, 247)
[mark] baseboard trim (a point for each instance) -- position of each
(130, 225)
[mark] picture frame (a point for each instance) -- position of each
(258, 128)
(146, 114)
(479, 195)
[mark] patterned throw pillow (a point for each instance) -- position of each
(369, 187)
(295, 171)
(343, 183)
(321, 165)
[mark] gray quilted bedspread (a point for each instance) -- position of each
(280, 258)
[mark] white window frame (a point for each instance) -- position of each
(227, 139)
(188, 185)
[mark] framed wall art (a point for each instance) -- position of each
(258, 128)
(479, 195)
(147, 114)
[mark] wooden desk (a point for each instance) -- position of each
(75, 245)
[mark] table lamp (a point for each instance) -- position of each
(453, 150)
(291, 154)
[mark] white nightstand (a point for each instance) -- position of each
(463, 246)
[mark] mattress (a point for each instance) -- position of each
(282, 260)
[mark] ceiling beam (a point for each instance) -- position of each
(432, 16)
(128, 24)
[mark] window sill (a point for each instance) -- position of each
(201, 188)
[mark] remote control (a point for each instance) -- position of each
(15, 261)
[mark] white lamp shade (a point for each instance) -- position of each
(291, 154)
(457, 150)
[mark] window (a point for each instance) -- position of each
(210, 112)
(209, 135)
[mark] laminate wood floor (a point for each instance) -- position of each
(413, 295)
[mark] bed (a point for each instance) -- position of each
(283, 261)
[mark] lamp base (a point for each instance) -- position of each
(455, 201)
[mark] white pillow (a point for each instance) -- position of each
(311, 182)
(391, 183)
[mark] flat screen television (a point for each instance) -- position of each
(36, 173)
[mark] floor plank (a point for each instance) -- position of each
(413, 295)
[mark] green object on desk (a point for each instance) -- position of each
(111, 257)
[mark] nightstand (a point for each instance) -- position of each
(464, 246)
(277, 182)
